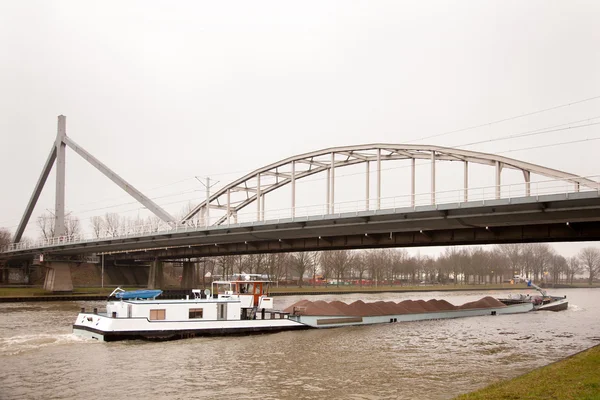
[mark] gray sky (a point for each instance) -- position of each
(165, 91)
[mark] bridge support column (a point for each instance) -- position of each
(189, 277)
(379, 179)
(332, 211)
(367, 205)
(527, 176)
(433, 177)
(498, 179)
(466, 181)
(412, 182)
(293, 182)
(59, 206)
(258, 197)
(58, 277)
(155, 275)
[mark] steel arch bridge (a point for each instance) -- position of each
(255, 185)
(557, 213)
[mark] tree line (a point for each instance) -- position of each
(467, 265)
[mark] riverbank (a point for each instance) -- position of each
(575, 377)
(22, 294)
(10, 294)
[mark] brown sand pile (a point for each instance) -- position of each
(402, 309)
(296, 306)
(380, 308)
(361, 309)
(322, 308)
(442, 305)
(486, 302)
(427, 305)
(344, 308)
(413, 307)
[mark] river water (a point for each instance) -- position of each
(41, 359)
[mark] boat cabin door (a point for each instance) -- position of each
(221, 312)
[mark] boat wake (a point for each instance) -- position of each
(20, 344)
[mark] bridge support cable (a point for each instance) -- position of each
(58, 155)
(122, 183)
(35, 195)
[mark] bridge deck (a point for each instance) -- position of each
(525, 219)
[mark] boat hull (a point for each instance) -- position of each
(556, 305)
(107, 329)
(319, 321)
(548, 304)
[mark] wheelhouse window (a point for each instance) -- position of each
(157, 315)
(196, 313)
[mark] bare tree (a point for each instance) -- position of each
(97, 224)
(72, 226)
(514, 255)
(590, 260)
(360, 266)
(112, 223)
(336, 261)
(558, 265)
(46, 224)
(153, 223)
(5, 237)
(573, 268)
(301, 262)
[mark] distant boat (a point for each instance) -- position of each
(545, 302)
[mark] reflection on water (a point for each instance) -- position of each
(39, 358)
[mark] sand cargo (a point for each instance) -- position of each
(321, 314)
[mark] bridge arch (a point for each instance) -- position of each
(291, 169)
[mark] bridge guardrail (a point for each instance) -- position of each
(455, 196)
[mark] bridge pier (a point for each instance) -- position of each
(58, 276)
(155, 275)
(189, 278)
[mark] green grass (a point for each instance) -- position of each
(576, 377)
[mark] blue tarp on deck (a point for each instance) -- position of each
(138, 294)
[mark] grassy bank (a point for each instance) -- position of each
(576, 377)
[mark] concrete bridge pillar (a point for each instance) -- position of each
(155, 275)
(58, 276)
(189, 278)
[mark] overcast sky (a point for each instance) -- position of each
(162, 92)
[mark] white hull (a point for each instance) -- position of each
(338, 321)
(104, 328)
